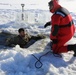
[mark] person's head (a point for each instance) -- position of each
(21, 32)
(53, 5)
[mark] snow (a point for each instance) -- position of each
(18, 61)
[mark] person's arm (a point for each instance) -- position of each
(38, 37)
(54, 33)
(47, 24)
(55, 27)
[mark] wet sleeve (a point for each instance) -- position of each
(10, 42)
(38, 37)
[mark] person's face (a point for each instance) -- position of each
(22, 33)
(50, 7)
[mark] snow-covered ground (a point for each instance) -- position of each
(18, 61)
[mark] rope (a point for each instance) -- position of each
(39, 59)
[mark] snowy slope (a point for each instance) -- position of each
(18, 61)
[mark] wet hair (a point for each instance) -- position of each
(21, 29)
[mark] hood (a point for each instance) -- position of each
(55, 6)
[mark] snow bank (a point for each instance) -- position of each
(34, 21)
(17, 61)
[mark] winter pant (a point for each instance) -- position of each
(59, 49)
(63, 49)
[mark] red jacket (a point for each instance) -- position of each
(62, 26)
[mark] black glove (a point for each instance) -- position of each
(47, 24)
(54, 41)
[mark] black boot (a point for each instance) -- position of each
(72, 47)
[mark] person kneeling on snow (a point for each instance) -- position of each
(23, 39)
(62, 30)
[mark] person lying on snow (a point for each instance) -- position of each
(62, 30)
(23, 39)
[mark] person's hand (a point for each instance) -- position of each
(47, 24)
(54, 41)
(42, 36)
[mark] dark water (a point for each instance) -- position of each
(3, 37)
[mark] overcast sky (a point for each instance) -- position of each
(24, 1)
(37, 4)
(34, 3)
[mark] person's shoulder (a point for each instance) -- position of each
(62, 12)
(16, 37)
